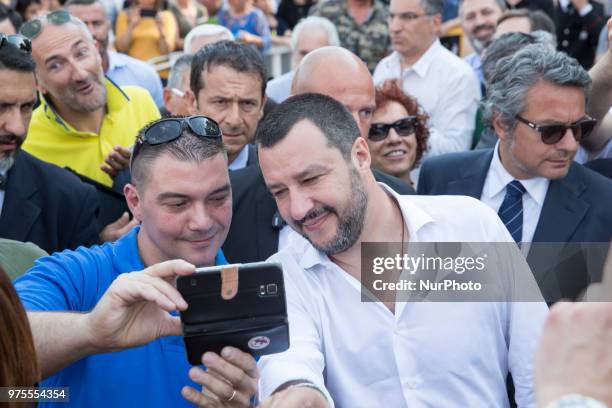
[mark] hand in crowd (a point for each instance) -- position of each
(135, 308)
(117, 229)
(247, 38)
(117, 160)
(231, 380)
(296, 398)
(159, 23)
(574, 353)
(134, 16)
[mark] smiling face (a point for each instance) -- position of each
(234, 100)
(395, 154)
(318, 193)
(478, 20)
(68, 68)
(522, 151)
(183, 215)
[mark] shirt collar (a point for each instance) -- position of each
(127, 257)
(498, 177)
(116, 99)
(115, 60)
(415, 218)
(241, 160)
(423, 64)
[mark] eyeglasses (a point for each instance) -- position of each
(33, 27)
(167, 130)
(19, 41)
(551, 134)
(403, 127)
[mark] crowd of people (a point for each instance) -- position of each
(117, 177)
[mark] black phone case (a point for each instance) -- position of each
(254, 321)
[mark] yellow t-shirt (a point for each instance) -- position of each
(145, 36)
(52, 139)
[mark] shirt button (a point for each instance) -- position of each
(564, 43)
(412, 384)
(566, 31)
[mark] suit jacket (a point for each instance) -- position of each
(253, 235)
(576, 212)
(48, 206)
(577, 35)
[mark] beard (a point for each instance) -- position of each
(480, 44)
(350, 221)
(7, 160)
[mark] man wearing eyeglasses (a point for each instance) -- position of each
(104, 318)
(536, 104)
(85, 121)
(444, 85)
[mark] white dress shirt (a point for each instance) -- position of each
(279, 88)
(241, 160)
(425, 354)
(447, 89)
(494, 191)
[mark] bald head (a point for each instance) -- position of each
(340, 74)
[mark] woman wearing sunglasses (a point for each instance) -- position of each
(398, 135)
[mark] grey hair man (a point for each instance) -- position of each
(121, 68)
(536, 103)
(309, 34)
(445, 86)
(85, 121)
(205, 34)
(176, 101)
(478, 21)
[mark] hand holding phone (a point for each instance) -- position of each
(254, 320)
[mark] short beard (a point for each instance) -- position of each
(350, 222)
(6, 163)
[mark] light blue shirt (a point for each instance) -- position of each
(475, 62)
(125, 70)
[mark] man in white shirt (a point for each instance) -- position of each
(536, 103)
(351, 353)
(444, 85)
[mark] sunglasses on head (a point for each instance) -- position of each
(551, 134)
(19, 41)
(403, 127)
(167, 130)
(33, 27)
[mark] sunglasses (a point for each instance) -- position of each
(167, 130)
(403, 127)
(19, 41)
(33, 27)
(551, 134)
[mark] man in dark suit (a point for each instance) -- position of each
(579, 23)
(39, 202)
(536, 104)
(228, 84)
(257, 229)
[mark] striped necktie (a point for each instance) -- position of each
(511, 210)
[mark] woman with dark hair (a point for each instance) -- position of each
(29, 9)
(398, 135)
(18, 363)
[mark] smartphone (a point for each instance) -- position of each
(254, 321)
(148, 13)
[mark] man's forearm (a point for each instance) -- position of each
(600, 98)
(60, 339)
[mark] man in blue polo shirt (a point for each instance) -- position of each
(103, 318)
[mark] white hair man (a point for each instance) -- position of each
(309, 34)
(205, 34)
